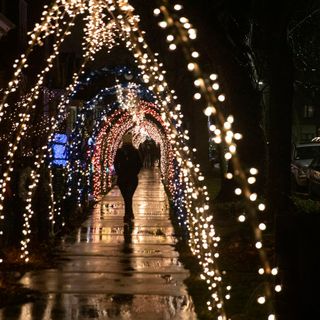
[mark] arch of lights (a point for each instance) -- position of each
(107, 23)
(127, 93)
(108, 113)
(110, 136)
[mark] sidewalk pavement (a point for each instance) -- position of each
(107, 271)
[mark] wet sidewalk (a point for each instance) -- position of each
(106, 272)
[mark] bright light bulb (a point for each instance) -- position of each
(156, 11)
(197, 96)
(213, 76)
(278, 288)
(191, 66)
(163, 24)
(177, 7)
(258, 245)
(221, 97)
(170, 37)
(253, 171)
(262, 226)
(251, 180)
(208, 112)
(215, 86)
(253, 197)
(195, 54)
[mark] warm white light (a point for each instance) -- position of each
(261, 300)
(253, 171)
(208, 112)
(278, 288)
(195, 54)
(238, 136)
(192, 34)
(183, 20)
(191, 66)
(242, 218)
(229, 175)
(215, 86)
(262, 226)
(177, 7)
(197, 96)
(156, 11)
(228, 155)
(232, 148)
(163, 24)
(258, 245)
(221, 97)
(251, 180)
(170, 37)
(213, 76)
(253, 197)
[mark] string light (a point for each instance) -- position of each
(223, 133)
(186, 182)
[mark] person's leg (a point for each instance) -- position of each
(127, 189)
(123, 186)
(132, 186)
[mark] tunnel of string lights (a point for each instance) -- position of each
(110, 122)
(109, 22)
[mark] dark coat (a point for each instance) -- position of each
(127, 162)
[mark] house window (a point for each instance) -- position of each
(308, 112)
(59, 149)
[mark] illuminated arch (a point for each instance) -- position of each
(109, 140)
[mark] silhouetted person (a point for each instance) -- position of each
(127, 164)
(158, 154)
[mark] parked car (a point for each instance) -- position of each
(315, 139)
(302, 156)
(313, 174)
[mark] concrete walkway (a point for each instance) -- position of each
(106, 272)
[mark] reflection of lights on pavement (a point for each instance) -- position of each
(26, 311)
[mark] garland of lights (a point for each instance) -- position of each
(117, 131)
(211, 270)
(72, 8)
(186, 176)
(161, 86)
(223, 132)
(76, 135)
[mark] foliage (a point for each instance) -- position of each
(306, 206)
(13, 269)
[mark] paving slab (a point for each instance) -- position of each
(107, 271)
